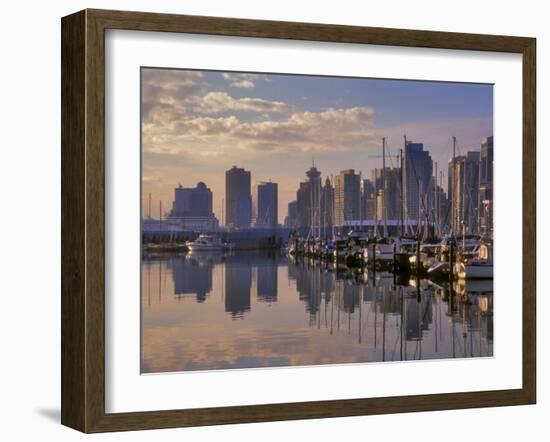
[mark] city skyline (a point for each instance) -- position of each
(196, 125)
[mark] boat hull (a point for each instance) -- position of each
(439, 270)
(478, 271)
(205, 248)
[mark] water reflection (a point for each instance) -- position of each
(244, 310)
(192, 276)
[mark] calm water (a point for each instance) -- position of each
(214, 311)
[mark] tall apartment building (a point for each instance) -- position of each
(238, 199)
(464, 175)
(267, 205)
(192, 208)
(347, 196)
(308, 199)
(486, 186)
(417, 175)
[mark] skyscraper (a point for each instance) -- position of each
(267, 205)
(308, 199)
(303, 205)
(390, 205)
(327, 205)
(347, 194)
(192, 208)
(192, 201)
(442, 210)
(465, 196)
(368, 202)
(238, 200)
(291, 220)
(418, 171)
(486, 186)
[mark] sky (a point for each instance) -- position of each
(198, 124)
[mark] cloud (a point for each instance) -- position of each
(241, 80)
(172, 95)
(164, 92)
(219, 102)
(245, 84)
(331, 130)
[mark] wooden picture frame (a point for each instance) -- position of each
(83, 219)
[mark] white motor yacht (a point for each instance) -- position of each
(208, 243)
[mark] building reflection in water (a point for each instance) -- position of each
(192, 276)
(238, 281)
(308, 284)
(267, 280)
(389, 319)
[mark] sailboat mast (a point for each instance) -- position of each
(385, 201)
(360, 201)
(332, 205)
(435, 205)
(464, 205)
(319, 205)
(160, 215)
(452, 190)
(419, 219)
(439, 201)
(375, 203)
(402, 187)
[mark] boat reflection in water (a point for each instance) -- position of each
(250, 309)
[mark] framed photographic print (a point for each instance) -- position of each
(268, 220)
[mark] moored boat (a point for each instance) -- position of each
(165, 248)
(480, 267)
(208, 243)
(475, 269)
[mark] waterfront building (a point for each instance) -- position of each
(291, 220)
(238, 199)
(192, 208)
(368, 202)
(347, 196)
(443, 210)
(308, 199)
(193, 201)
(267, 205)
(465, 195)
(303, 205)
(485, 204)
(392, 203)
(417, 175)
(327, 205)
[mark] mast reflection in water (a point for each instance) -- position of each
(245, 310)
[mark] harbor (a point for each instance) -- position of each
(350, 225)
(411, 278)
(406, 223)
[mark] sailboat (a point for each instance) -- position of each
(165, 247)
(480, 267)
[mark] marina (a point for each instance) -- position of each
(312, 234)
